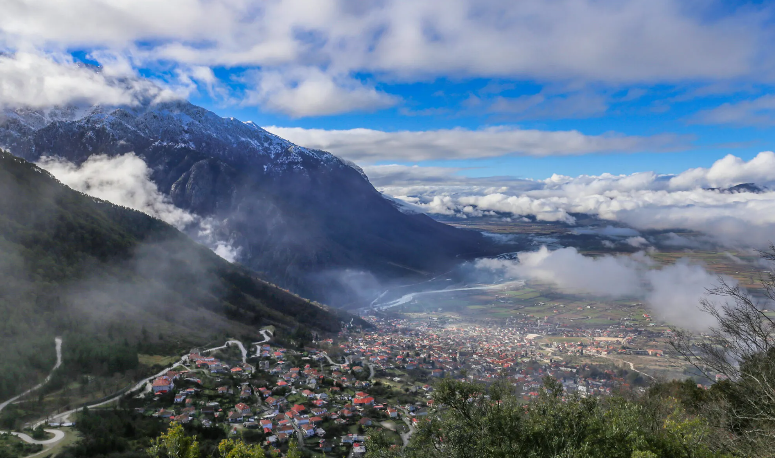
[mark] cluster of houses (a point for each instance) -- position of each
(305, 394)
(488, 352)
(285, 394)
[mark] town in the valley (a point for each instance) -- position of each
(329, 394)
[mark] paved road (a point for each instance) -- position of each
(58, 343)
(632, 366)
(61, 417)
(58, 436)
(407, 435)
(330, 361)
(299, 435)
(232, 342)
(267, 338)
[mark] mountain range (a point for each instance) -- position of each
(303, 218)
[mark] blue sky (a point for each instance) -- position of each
(441, 105)
(482, 88)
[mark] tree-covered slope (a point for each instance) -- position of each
(74, 265)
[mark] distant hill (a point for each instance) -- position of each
(117, 279)
(304, 218)
(742, 187)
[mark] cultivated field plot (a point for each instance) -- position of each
(536, 301)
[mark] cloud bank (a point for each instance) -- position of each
(34, 80)
(673, 292)
(308, 57)
(641, 200)
(369, 146)
(125, 180)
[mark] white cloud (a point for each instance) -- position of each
(35, 80)
(673, 292)
(367, 145)
(122, 180)
(613, 42)
(641, 200)
(609, 41)
(125, 180)
(754, 112)
(311, 92)
(636, 242)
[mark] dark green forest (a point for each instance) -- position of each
(112, 280)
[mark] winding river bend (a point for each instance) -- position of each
(406, 298)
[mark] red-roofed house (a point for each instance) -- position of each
(364, 401)
(162, 385)
(242, 408)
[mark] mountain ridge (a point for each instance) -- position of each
(304, 218)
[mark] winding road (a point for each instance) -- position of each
(232, 342)
(58, 436)
(264, 333)
(58, 343)
(330, 361)
(142, 384)
(407, 435)
(632, 366)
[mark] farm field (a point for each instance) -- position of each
(534, 300)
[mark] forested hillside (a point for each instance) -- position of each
(111, 280)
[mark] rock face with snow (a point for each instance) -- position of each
(304, 218)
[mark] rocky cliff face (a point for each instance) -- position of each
(304, 218)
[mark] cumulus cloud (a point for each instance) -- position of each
(641, 200)
(311, 92)
(673, 292)
(418, 39)
(368, 145)
(636, 242)
(125, 180)
(623, 42)
(122, 180)
(36, 80)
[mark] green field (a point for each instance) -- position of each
(534, 300)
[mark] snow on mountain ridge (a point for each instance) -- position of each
(174, 123)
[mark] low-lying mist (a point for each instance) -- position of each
(673, 292)
(125, 180)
